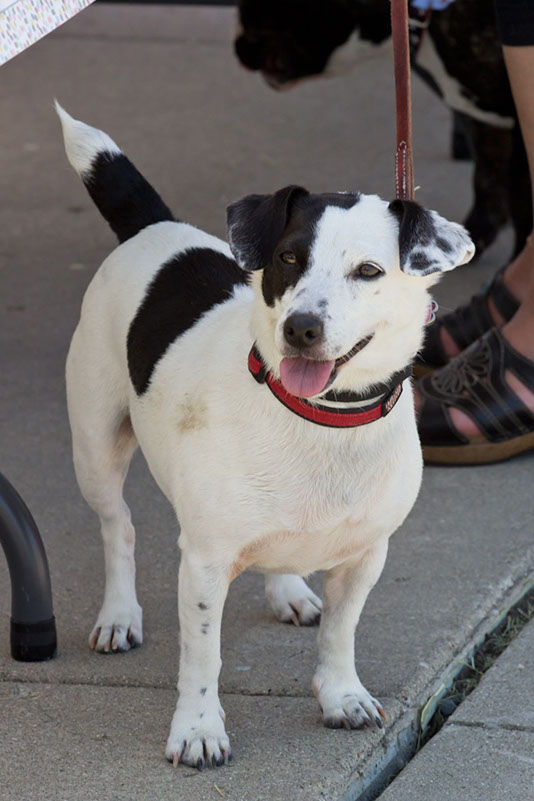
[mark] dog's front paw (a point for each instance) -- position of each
(347, 706)
(198, 739)
(292, 601)
(355, 710)
(119, 627)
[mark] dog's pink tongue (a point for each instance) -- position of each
(305, 377)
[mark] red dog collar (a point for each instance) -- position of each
(344, 417)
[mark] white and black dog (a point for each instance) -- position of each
(266, 383)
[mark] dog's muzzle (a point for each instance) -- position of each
(305, 377)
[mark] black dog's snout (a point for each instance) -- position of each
(303, 330)
(250, 50)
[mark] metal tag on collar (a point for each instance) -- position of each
(431, 312)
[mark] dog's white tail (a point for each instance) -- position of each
(123, 197)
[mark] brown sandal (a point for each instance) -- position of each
(466, 324)
(474, 383)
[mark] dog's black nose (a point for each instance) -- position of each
(303, 330)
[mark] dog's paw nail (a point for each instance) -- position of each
(367, 721)
(333, 723)
(176, 755)
(133, 638)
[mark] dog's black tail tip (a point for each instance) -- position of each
(123, 197)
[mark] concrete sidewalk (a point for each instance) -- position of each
(164, 83)
(485, 750)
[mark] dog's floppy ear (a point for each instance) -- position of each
(428, 243)
(256, 223)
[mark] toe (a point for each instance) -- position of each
(174, 754)
(358, 717)
(134, 636)
(310, 611)
(103, 642)
(373, 710)
(119, 639)
(93, 637)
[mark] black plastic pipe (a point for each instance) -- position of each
(33, 628)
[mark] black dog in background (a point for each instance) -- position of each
(457, 53)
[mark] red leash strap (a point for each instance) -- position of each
(401, 58)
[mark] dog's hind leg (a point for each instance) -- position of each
(292, 600)
(103, 445)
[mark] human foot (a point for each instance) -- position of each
(493, 305)
(480, 407)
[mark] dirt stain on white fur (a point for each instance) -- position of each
(192, 416)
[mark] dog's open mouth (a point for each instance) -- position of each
(305, 378)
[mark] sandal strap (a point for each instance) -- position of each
(435, 425)
(475, 383)
(470, 321)
(505, 303)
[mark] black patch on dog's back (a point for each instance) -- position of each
(298, 237)
(184, 289)
(123, 196)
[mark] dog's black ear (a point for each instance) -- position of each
(428, 243)
(256, 223)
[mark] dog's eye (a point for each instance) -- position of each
(367, 270)
(288, 257)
